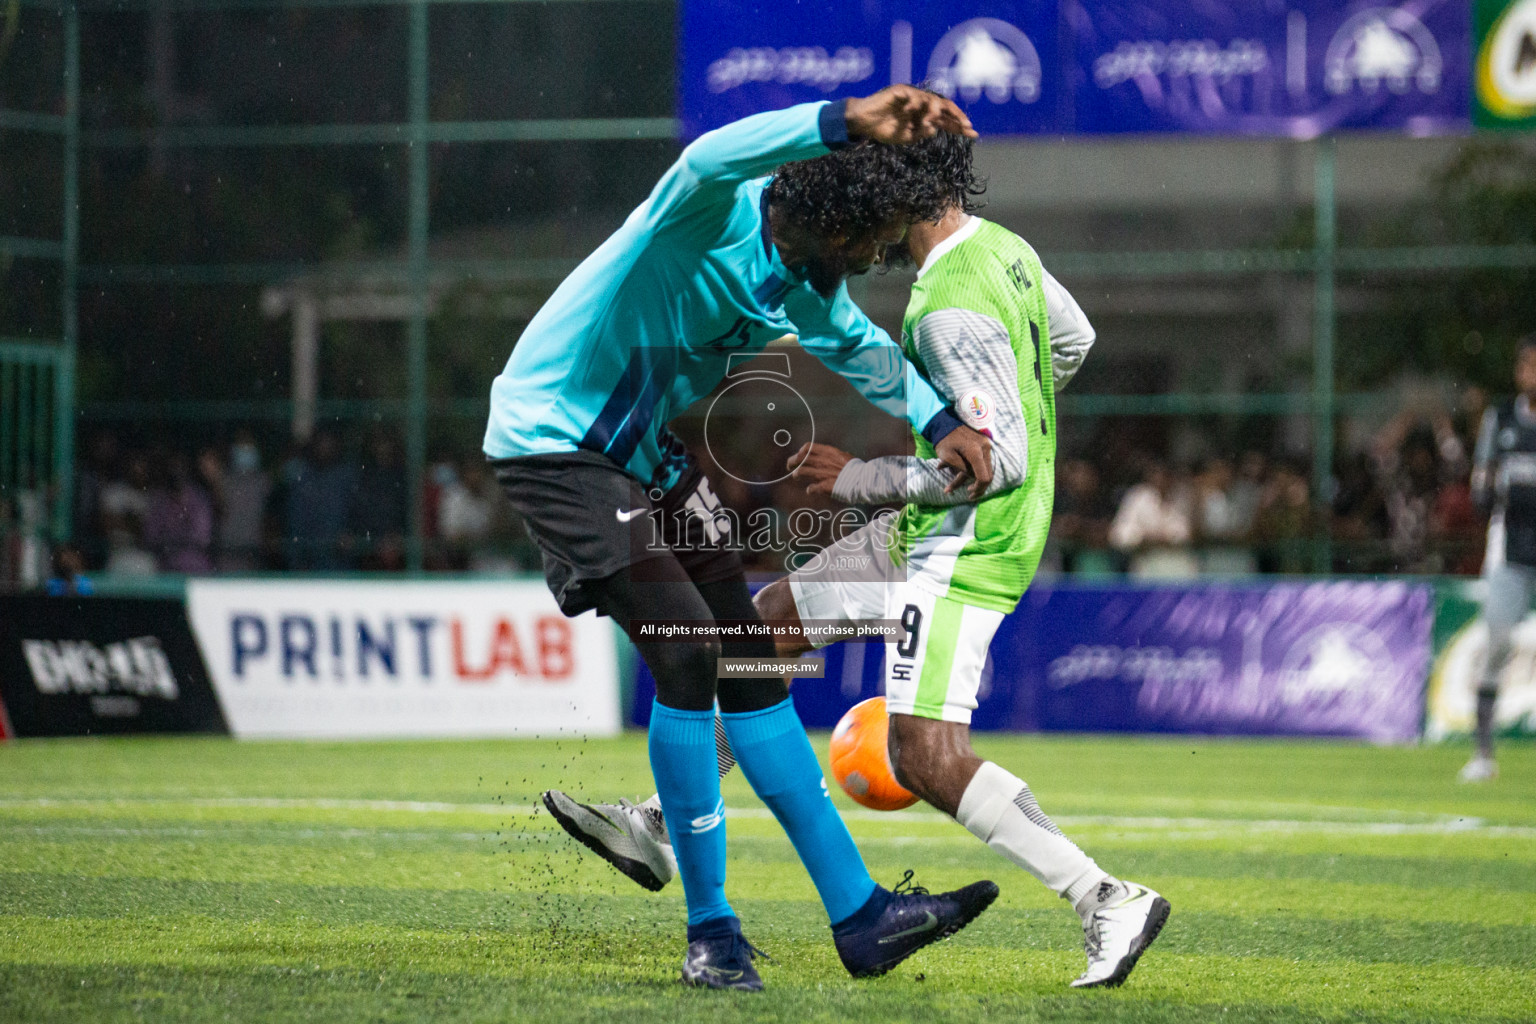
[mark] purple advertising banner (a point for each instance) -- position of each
(1055, 67)
(1306, 659)
(1254, 67)
(1279, 659)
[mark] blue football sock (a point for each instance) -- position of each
(682, 745)
(774, 753)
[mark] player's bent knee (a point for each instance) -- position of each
(776, 604)
(685, 673)
(775, 601)
(903, 769)
(744, 695)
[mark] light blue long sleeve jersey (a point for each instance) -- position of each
(647, 324)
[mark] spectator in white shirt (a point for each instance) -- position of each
(1222, 522)
(124, 505)
(1154, 526)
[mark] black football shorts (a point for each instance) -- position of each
(591, 520)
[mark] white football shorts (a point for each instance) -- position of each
(936, 667)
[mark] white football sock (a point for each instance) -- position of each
(999, 809)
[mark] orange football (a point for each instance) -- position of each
(859, 759)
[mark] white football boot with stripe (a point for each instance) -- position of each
(631, 837)
(1118, 932)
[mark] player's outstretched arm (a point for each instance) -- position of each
(897, 479)
(902, 114)
(757, 144)
(817, 466)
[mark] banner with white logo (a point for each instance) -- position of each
(1243, 67)
(94, 665)
(418, 659)
(1345, 658)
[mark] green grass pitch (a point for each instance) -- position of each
(204, 879)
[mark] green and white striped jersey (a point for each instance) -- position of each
(981, 325)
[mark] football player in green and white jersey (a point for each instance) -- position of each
(996, 335)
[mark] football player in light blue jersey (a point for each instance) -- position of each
(717, 262)
(698, 273)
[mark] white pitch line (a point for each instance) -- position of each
(271, 803)
(179, 832)
(1185, 827)
(1180, 826)
(1217, 828)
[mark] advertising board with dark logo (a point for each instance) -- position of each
(94, 665)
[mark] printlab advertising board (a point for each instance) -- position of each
(367, 659)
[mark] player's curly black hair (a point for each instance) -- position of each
(946, 161)
(853, 192)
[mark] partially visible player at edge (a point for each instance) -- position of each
(997, 335)
(718, 261)
(1504, 487)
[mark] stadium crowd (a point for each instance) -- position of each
(320, 508)
(1400, 502)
